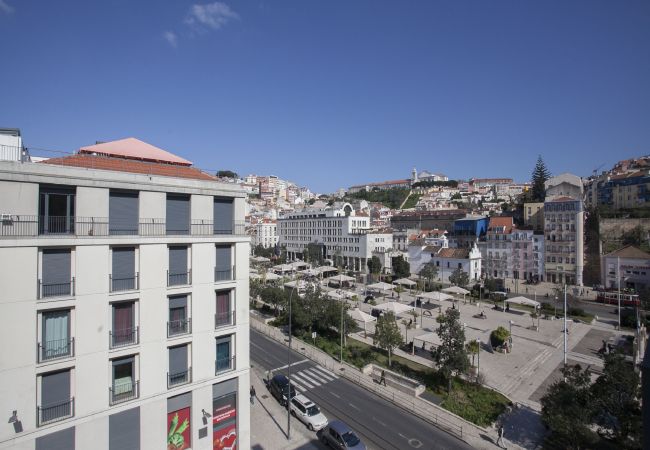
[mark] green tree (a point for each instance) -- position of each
(387, 335)
(401, 267)
(473, 348)
(313, 254)
(274, 296)
(567, 410)
(450, 355)
(260, 250)
(540, 175)
(636, 236)
(459, 278)
(499, 336)
(227, 174)
(429, 271)
(374, 265)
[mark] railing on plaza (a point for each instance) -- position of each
(123, 393)
(177, 379)
(54, 413)
(224, 319)
(59, 348)
(123, 338)
(179, 279)
(223, 365)
(179, 327)
(221, 274)
(123, 284)
(46, 290)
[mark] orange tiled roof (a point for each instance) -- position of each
(132, 166)
(456, 253)
(629, 252)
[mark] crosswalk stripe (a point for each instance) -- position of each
(302, 380)
(325, 373)
(324, 370)
(311, 379)
(297, 386)
(315, 375)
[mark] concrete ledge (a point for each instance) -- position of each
(395, 380)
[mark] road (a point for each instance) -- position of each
(380, 424)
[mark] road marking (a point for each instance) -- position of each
(379, 421)
(335, 395)
(315, 375)
(352, 406)
(297, 386)
(326, 373)
(287, 365)
(302, 380)
(306, 376)
(415, 443)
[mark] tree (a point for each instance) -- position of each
(459, 277)
(567, 410)
(227, 174)
(374, 265)
(274, 296)
(540, 175)
(450, 355)
(313, 254)
(473, 348)
(401, 267)
(429, 271)
(387, 335)
(636, 236)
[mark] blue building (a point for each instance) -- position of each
(469, 229)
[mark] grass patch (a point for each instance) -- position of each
(412, 201)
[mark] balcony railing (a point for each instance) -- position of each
(54, 413)
(221, 274)
(59, 348)
(201, 227)
(179, 327)
(46, 290)
(179, 279)
(123, 338)
(123, 284)
(123, 393)
(224, 319)
(176, 379)
(222, 365)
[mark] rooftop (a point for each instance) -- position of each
(132, 148)
(629, 251)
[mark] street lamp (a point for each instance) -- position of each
(510, 322)
(566, 331)
(289, 367)
(478, 363)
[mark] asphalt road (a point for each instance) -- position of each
(380, 424)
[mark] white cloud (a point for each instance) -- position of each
(170, 37)
(209, 16)
(6, 7)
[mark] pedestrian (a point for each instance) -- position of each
(252, 395)
(382, 379)
(500, 440)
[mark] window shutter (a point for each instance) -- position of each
(223, 257)
(59, 440)
(178, 214)
(56, 266)
(177, 260)
(124, 430)
(178, 301)
(177, 359)
(123, 213)
(123, 263)
(223, 215)
(55, 388)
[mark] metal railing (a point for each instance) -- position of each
(224, 319)
(54, 413)
(11, 153)
(123, 338)
(178, 327)
(179, 279)
(200, 227)
(123, 393)
(123, 284)
(152, 227)
(59, 348)
(222, 365)
(56, 224)
(46, 290)
(176, 379)
(221, 274)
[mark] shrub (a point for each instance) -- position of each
(576, 312)
(499, 336)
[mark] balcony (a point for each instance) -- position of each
(48, 290)
(200, 227)
(224, 365)
(179, 327)
(123, 338)
(56, 349)
(123, 284)
(221, 274)
(123, 393)
(224, 319)
(179, 279)
(180, 378)
(54, 413)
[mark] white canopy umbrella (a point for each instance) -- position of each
(335, 295)
(310, 272)
(523, 301)
(394, 307)
(299, 264)
(405, 282)
(270, 276)
(381, 286)
(326, 269)
(361, 316)
(255, 276)
(260, 259)
(283, 268)
(456, 290)
(427, 338)
(340, 279)
(435, 296)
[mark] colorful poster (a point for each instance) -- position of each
(224, 422)
(179, 434)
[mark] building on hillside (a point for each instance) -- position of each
(266, 233)
(630, 265)
(564, 230)
(621, 191)
(477, 183)
(468, 230)
(401, 239)
(446, 260)
(497, 251)
(427, 176)
(381, 186)
(534, 216)
(427, 220)
(124, 274)
(344, 237)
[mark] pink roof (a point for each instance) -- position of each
(132, 148)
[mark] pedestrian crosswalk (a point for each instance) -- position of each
(312, 377)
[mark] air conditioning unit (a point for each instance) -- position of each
(6, 219)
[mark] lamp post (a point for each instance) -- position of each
(618, 273)
(478, 363)
(566, 331)
(510, 323)
(289, 368)
(341, 328)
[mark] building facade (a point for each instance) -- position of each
(446, 260)
(125, 291)
(629, 265)
(427, 220)
(266, 233)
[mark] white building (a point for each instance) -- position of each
(446, 259)
(630, 265)
(266, 233)
(343, 236)
(124, 275)
(11, 145)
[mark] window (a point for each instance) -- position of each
(124, 331)
(178, 214)
(123, 276)
(223, 214)
(124, 386)
(56, 275)
(225, 314)
(55, 336)
(123, 213)
(178, 273)
(223, 269)
(56, 210)
(225, 359)
(179, 371)
(57, 402)
(179, 322)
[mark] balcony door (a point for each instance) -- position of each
(56, 334)
(56, 210)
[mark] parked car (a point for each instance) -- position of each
(376, 313)
(281, 389)
(308, 413)
(340, 436)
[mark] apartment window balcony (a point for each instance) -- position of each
(223, 365)
(180, 378)
(123, 392)
(224, 319)
(124, 338)
(179, 327)
(47, 290)
(179, 279)
(209, 228)
(55, 349)
(221, 274)
(47, 414)
(124, 284)
(149, 227)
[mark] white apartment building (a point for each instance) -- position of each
(628, 265)
(124, 275)
(11, 145)
(266, 233)
(446, 259)
(344, 237)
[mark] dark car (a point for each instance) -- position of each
(281, 389)
(369, 298)
(340, 436)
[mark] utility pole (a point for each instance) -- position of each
(289, 369)
(618, 272)
(566, 331)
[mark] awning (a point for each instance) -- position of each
(523, 301)
(381, 286)
(341, 278)
(260, 259)
(270, 276)
(361, 316)
(456, 290)
(326, 269)
(405, 282)
(394, 307)
(435, 296)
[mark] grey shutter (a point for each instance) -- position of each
(177, 359)
(56, 266)
(59, 440)
(179, 401)
(178, 301)
(223, 215)
(123, 213)
(124, 430)
(123, 263)
(55, 388)
(178, 214)
(177, 260)
(223, 257)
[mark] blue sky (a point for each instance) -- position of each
(335, 93)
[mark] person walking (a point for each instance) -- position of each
(252, 395)
(382, 379)
(500, 439)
